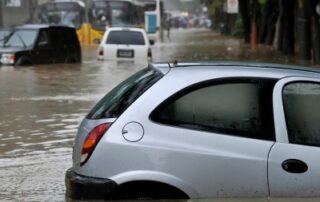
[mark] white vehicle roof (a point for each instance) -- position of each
(125, 29)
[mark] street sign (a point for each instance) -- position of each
(232, 6)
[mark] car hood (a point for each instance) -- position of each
(11, 49)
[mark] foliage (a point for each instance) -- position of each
(213, 6)
(238, 30)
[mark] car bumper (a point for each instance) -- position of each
(83, 187)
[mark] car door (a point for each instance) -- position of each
(222, 132)
(294, 161)
(59, 40)
(42, 53)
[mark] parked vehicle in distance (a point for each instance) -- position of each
(126, 44)
(202, 130)
(39, 44)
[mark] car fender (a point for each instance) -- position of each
(23, 60)
(145, 175)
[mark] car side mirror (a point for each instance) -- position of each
(151, 42)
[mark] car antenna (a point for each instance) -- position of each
(174, 63)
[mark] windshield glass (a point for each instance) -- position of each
(122, 96)
(106, 13)
(69, 14)
(17, 38)
(150, 6)
(126, 37)
(3, 34)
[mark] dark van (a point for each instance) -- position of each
(39, 44)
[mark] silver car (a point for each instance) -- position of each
(200, 130)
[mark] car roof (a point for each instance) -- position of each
(80, 3)
(128, 28)
(279, 69)
(37, 26)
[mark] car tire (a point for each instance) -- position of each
(146, 190)
(23, 61)
(73, 59)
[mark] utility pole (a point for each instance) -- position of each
(33, 7)
(1, 13)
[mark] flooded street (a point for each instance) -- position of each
(41, 108)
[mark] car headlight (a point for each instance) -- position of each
(7, 58)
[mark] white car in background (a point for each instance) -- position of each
(128, 44)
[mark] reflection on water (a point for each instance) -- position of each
(42, 106)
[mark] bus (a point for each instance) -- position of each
(106, 13)
(154, 12)
(64, 12)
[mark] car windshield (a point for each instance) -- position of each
(63, 13)
(17, 38)
(122, 96)
(126, 37)
(104, 13)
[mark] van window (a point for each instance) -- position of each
(43, 39)
(122, 96)
(126, 37)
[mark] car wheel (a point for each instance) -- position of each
(146, 190)
(23, 61)
(74, 59)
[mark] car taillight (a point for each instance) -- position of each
(12, 58)
(101, 51)
(92, 140)
(149, 54)
(7, 58)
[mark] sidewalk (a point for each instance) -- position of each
(208, 45)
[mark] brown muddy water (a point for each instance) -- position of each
(42, 106)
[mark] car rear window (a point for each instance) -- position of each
(18, 38)
(126, 37)
(122, 96)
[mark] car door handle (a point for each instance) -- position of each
(294, 166)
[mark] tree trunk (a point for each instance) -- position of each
(272, 20)
(245, 15)
(280, 25)
(287, 7)
(315, 20)
(265, 13)
(304, 30)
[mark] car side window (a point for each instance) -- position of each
(240, 107)
(43, 40)
(301, 100)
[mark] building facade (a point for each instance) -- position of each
(15, 12)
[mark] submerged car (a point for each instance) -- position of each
(39, 44)
(125, 44)
(202, 130)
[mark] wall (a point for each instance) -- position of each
(14, 12)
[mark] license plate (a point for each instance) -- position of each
(125, 53)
